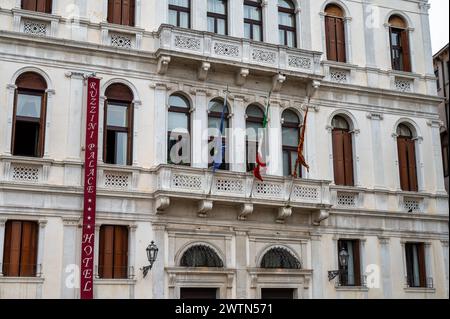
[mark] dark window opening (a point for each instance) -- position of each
(290, 140)
(277, 293)
(350, 273)
(415, 265)
(201, 256)
(198, 293)
(280, 258)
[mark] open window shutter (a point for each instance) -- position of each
(29, 5)
(125, 12)
(338, 157)
(348, 158)
(7, 250)
(132, 12)
(340, 39)
(392, 51)
(330, 26)
(130, 134)
(412, 172)
(14, 248)
(117, 12)
(357, 262)
(120, 252)
(403, 163)
(405, 51)
(41, 5)
(48, 6)
(110, 11)
(28, 251)
(107, 240)
(41, 137)
(422, 266)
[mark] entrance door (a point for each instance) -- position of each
(198, 293)
(275, 293)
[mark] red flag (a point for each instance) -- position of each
(300, 157)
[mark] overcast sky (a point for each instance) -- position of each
(439, 23)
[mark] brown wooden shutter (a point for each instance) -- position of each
(28, 249)
(125, 12)
(7, 249)
(41, 5)
(48, 6)
(357, 262)
(422, 266)
(405, 51)
(106, 252)
(330, 26)
(412, 172)
(132, 12)
(403, 163)
(117, 12)
(340, 41)
(110, 11)
(348, 158)
(338, 157)
(29, 5)
(120, 252)
(41, 142)
(14, 251)
(130, 135)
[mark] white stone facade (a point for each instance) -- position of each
(238, 217)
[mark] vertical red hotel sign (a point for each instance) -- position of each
(90, 190)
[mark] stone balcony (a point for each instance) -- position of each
(241, 189)
(245, 55)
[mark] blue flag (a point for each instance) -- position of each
(219, 148)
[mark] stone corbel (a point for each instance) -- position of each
(204, 207)
(162, 203)
(241, 76)
(283, 213)
(312, 88)
(203, 71)
(163, 65)
(277, 82)
(320, 216)
(246, 210)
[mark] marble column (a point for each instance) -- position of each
(199, 138)
(385, 269)
(160, 130)
(378, 168)
(275, 165)
(317, 267)
(70, 259)
(76, 103)
(437, 156)
(239, 160)
(241, 265)
(158, 273)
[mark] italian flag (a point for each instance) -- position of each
(263, 143)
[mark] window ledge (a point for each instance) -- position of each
(129, 282)
(403, 74)
(351, 288)
(21, 280)
(36, 15)
(339, 65)
(420, 290)
(121, 28)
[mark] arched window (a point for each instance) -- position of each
(201, 256)
(28, 132)
(254, 125)
(335, 33)
(342, 152)
(180, 13)
(253, 23)
(179, 146)
(280, 258)
(44, 6)
(407, 158)
(121, 12)
(399, 37)
(214, 120)
(287, 23)
(118, 132)
(217, 16)
(291, 139)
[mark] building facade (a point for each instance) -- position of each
(440, 61)
(374, 191)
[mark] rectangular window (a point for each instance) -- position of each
(179, 13)
(113, 252)
(20, 250)
(350, 273)
(121, 12)
(44, 6)
(217, 16)
(335, 39)
(438, 82)
(415, 265)
(253, 20)
(118, 137)
(400, 50)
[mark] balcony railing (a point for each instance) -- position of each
(230, 186)
(345, 281)
(410, 283)
(174, 40)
